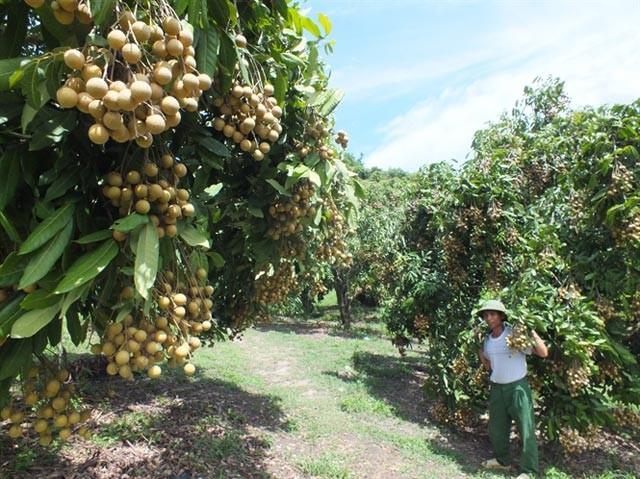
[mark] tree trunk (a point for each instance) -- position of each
(341, 285)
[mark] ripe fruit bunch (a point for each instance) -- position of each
(136, 88)
(609, 372)
(421, 325)
(66, 11)
(250, 118)
(441, 413)
(574, 441)
(275, 288)
(577, 378)
(151, 190)
(316, 285)
(480, 378)
(293, 247)
(460, 366)
(47, 407)
(626, 417)
(333, 248)
(519, 339)
(285, 214)
(139, 344)
(342, 139)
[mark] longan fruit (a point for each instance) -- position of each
(74, 59)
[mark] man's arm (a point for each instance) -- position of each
(484, 360)
(539, 348)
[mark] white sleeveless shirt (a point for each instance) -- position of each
(507, 365)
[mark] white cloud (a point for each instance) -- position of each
(594, 58)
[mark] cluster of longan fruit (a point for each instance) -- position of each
(519, 339)
(342, 138)
(316, 285)
(609, 372)
(293, 247)
(627, 232)
(333, 248)
(621, 180)
(577, 378)
(627, 417)
(421, 325)
(574, 441)
(441, 413)
(459, 366)
(151, 190)
(285, 213)
(134, 345)
(250, 118)
(66, 11)
(275, 288)
(480, 378)
(47, 407)
(136, 88)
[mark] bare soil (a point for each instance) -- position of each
(214, 429)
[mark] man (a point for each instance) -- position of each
(510, 398)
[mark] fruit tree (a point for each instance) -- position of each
(166, 167)
(545, 217)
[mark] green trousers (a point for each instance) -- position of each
(507, 403)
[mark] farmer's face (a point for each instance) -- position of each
(493, 318)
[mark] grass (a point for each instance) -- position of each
(337, 399)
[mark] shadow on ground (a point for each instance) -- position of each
(173, 428)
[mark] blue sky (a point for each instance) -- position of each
(420, 77)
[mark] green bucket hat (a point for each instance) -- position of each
(491, 305)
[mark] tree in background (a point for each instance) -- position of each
(543, 216)
(165, 167)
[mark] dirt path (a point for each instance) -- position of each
(362, 445)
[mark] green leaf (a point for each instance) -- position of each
(53, 129)
(198, 13)
(14, 355)
(214, 146)
(73, 296)
(77, 332)
(221, 11)
(213, 190)
(256, 212)
(38, 299)
(129, 223)
(28, 114)
(9, 312)
(101, 10)
(194, 238)
(146, 264)
(216, 259)
(32, 77)
(8, 67)
(278, 187)
(11, 269)
(11, 175)
(33, 321)
(15, 31)
(95, 237)
(208, 43)
(310, 26)
(42, 262)
(281, 7)
(328, 100)
(227, 58)
(326, 24)
(88, 266)
(48, 228)
(63, 183)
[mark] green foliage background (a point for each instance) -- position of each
(545, 217)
